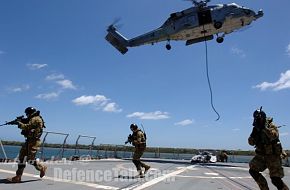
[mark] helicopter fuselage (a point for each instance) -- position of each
(197, 22)
(193, 25)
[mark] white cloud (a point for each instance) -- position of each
(20, 88)
(184, 122)
(36, 66)
(282, 83)
(239, 52)
(60, 80)
(87, 100)
(66, 84)
(98, 102)
(288, 50)
(236, 129)
(157, 115)
(55, 77)
(112, 107)
(2, 52)
(48, 96)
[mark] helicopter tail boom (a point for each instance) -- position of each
(116, 39)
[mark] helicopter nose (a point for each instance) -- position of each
(259, 14)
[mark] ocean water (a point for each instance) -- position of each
(58, 153)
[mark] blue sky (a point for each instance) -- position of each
(53, 56)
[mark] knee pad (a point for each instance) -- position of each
(277, 181)
(256, 175)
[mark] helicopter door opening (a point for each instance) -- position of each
(204, 17)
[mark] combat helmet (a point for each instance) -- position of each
(259, 114)
(29, 110)
(133, 126)
(259, 118)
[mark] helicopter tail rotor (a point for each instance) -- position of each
(116, 39)
(116, 23)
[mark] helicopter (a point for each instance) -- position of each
(195, 24)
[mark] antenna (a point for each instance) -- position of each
(142, 127)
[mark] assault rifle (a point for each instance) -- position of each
(130, 139)
(15, 121)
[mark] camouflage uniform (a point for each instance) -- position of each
(32, 130)
(268, 155)
(139, 142)
(223, 156)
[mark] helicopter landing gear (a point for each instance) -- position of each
(218, 25)
(168, 46)
(220, 39)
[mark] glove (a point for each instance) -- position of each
(251, 141)
(283, 155)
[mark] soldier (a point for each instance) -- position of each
(265, 138)
(32, 128)
(224, 156)
(139, 141)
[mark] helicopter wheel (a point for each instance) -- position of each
(220, 39)
(218, 25)
(168, 46)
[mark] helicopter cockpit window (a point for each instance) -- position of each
(176, 15)
(173, 17)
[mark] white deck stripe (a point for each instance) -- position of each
(161, 178)
(64, 180)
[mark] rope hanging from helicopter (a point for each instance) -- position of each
(208, 79)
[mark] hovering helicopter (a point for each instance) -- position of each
(196, 24)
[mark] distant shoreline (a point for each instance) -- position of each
(112, 147)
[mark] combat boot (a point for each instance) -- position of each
(15, 179)
(285, 187)
(141, 175)
(42, 171)
(146, 169)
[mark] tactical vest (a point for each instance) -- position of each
(143, 139)
(267, 142)
(35, 132)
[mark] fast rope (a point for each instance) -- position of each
(208, 79)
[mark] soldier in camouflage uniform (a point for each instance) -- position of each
(139, 141)
(32, 128)
(265, 138)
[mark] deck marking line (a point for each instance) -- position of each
(161, 178)
(211, 174)
(64, 180)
